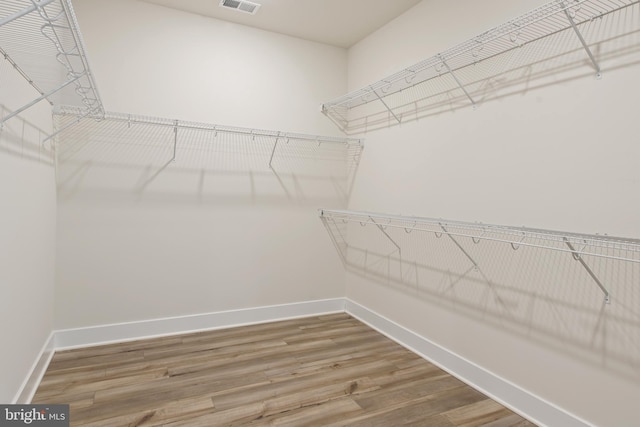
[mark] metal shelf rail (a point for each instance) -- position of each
(42, 41)
(462, 73)
(465, 235)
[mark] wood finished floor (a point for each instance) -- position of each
(319, 371)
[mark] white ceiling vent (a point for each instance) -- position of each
(241, 6)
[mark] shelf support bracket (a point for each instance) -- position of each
(460, 85)
(343, 256)
(582, 41)
(339, 119)
(385, 105)
(175, 140)
(326, 112)
(453, 239)
(386, 235)
(577, 257)
(26, 11)
(38, 99)
(274, 149)
(67, 126)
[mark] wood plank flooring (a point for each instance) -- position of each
(319, 371)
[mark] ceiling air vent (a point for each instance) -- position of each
(241, 6)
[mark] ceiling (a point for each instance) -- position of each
(339, 23)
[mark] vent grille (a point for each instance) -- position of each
(241, 6)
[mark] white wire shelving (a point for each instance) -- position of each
(461, 75)
(465, 236)
(136, 142)
(41, 39)
(180, 130)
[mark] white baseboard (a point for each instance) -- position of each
(528, 405)
(39, 367)
(129, 331)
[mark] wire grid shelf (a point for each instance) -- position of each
(42, 41)
(133, 141)
(550, 39)
(465, 235)
(525, 281)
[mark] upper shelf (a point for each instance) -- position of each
(124, 139)
(41, 39)
(164, 157)
(550, 31)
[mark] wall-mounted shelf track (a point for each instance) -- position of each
(467, 239)
(42, 41)
(562, 30)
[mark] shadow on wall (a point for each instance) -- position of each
(539, 293)
(614, 41)
(143, 161)
(23, 139)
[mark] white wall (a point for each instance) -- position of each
(27, 233)
(198, 238)
(166, 63)
(559, 156)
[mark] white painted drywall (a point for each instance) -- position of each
(560, 156)
(162, 62)
(197, 239)
(27, 233)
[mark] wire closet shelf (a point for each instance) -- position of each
(131, 119)
(579, 246)
(459, 71)
(110, 128)
(41, 39)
